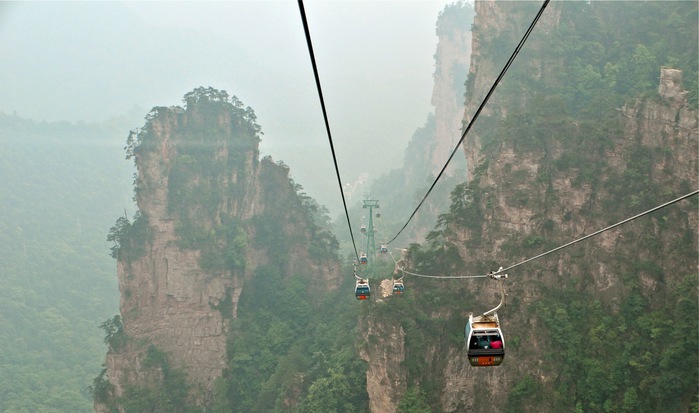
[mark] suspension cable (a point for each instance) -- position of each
(325, 117)
(444, 277)
(600, 231)
(478, 112)
(502, 270)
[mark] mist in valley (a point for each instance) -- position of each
(76, 77)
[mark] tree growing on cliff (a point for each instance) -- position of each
(113, 332)
(128, 238)
(118, 235)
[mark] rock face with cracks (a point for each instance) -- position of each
(199, 182)
(525, 195)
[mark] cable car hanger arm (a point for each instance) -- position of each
(498, 276)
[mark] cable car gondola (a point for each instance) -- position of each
(383, 249)
(484, 339)
(361, 289)
(486, 345)
(363, 229)
(398, 287)
(363, 258)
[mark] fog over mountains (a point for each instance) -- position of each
(94, 61)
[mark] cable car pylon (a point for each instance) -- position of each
(371, 204)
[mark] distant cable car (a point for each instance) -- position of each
(362, 290)
(363, 258)
(398, 287)
(363, 229)
(484, 339)
(378, 215)
(383, 249)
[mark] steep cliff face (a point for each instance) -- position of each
(452, 60)
(431, 145)
(542, 177)
(200, 186)
(428, 150)
(552, 159)
(384, 352)
(525, 214)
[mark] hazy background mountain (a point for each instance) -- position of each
(77, 76)
(93, 61)
(63, 186)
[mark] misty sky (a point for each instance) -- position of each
(93, 61)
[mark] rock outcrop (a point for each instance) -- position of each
(531, 190)
(452, 60)
(200, 182)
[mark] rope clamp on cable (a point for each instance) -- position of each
(496, 275)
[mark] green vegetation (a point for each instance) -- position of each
(631, 361)
(414, 402)
(288, 355)
(129, 239)
(114, 334)
(625, 349)
(288, 350)
(63, 184)
(291, 351)
(167, 393)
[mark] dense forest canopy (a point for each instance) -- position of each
(63, 185)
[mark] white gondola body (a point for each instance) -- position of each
(484, 340)
(362, 290)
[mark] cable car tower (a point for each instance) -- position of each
(370, 244)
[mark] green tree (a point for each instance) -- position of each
(414, 402)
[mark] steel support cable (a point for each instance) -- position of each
(502, 270)
(443, 277)
(325, 117)
(478, 112)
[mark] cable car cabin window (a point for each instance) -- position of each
(486, 349)
(486, 342)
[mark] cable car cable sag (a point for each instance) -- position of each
(325, 117)
(600, 231)
(475, 116)
(444, 277)
(503, 269)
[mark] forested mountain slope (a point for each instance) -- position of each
(596, 121)
(62, 185)
(400, 190)
(232, 297)
(228, 279)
